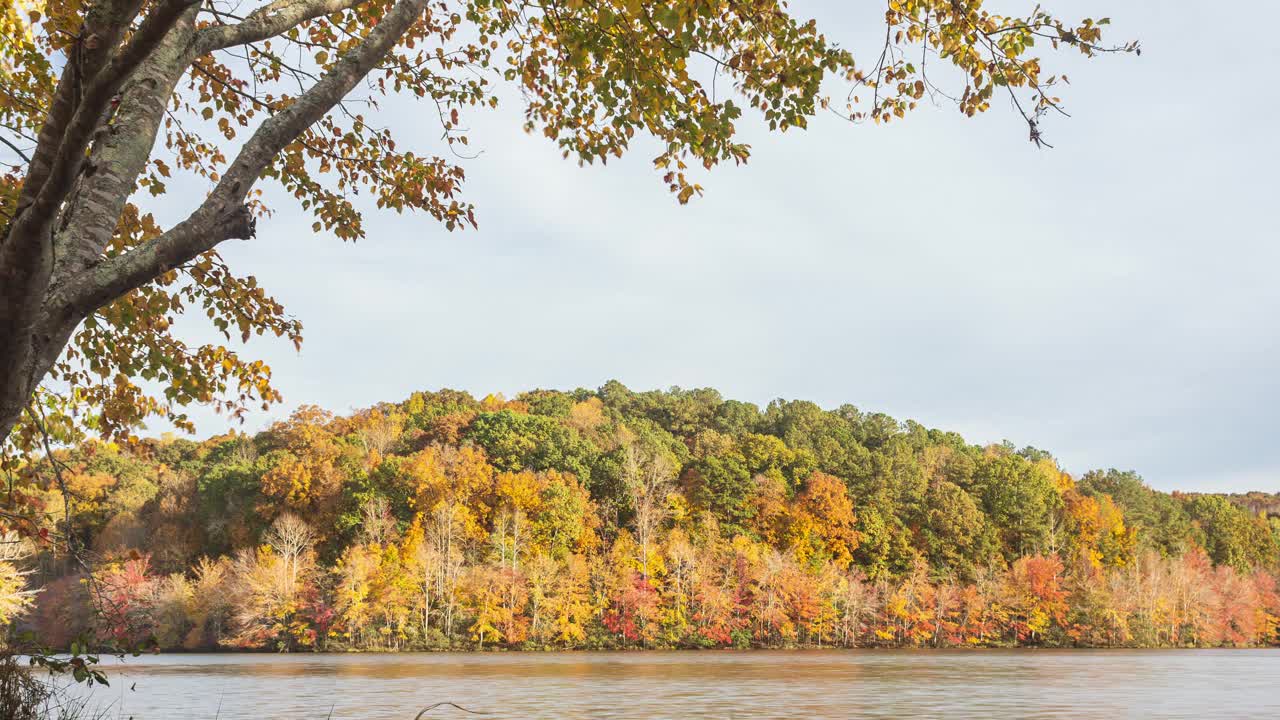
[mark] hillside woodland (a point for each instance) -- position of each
(616, 519)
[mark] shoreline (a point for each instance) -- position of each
(693, 651)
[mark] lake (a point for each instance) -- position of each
(762, 684)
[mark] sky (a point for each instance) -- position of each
(1112, 300)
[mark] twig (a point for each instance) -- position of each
(429, 708)
(15, 148)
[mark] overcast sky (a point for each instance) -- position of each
(1112, 300)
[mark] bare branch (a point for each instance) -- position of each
(15, 149)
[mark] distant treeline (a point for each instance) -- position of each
(615, 519)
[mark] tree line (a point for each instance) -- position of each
(617, 519)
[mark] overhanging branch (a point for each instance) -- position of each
(267, 22)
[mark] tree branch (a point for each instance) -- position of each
(267, 22)
(91, 213)
(15, 149)
(104, 25)
(223, 215)
(95, 103)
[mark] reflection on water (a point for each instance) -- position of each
(837, 684)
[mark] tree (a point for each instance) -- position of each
(377, 525)
(1231, 535)
(125, 616)
(1161, 521)
(1036, 595)
(1097, 528)
(458, 478)
(1021, 499)
(353, 590)
(420, 561)
(515, 441)
(210, 609)
(648, 477)
(270, 587)
(376, 429)
(720, 601)
(304, 473)
(446, 533)
(633, 612)
(569, 603)
(292, 540)
(769, 509)
(565, 520)
(484, 590)
(823, 524)
(15, 595)
(721, 481)
(115, 96)
(955, 535)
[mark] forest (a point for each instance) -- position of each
(610, 518)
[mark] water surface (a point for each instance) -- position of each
(800, 684)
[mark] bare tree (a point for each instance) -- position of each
(293, 540)
(508, 536)
(446, 536)
(379, 429)
(649, 477)
(423, 563)
(377, 524)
